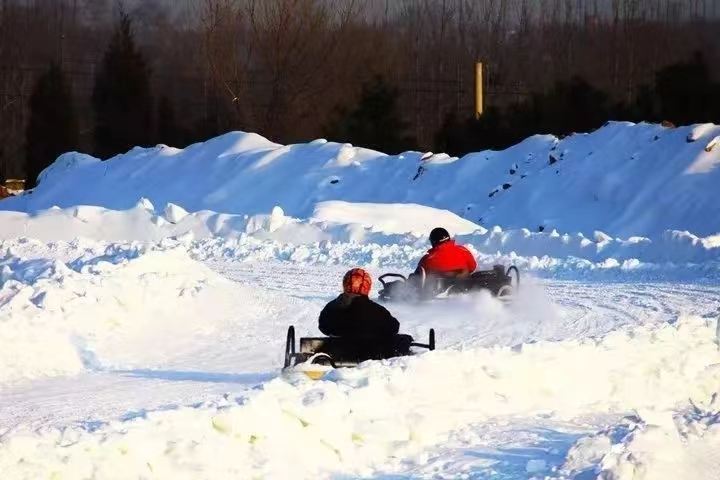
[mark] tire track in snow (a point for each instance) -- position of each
(251, 353)
(546, 309)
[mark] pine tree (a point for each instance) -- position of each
(375, 122)
(122, 99)
(169, 131)
(53, 126)
(686, 93)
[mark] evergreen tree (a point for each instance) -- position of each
(489, 131)
(168, 130)
(686, 93)
(375, 122)
(574, 106)
(53, 127)
(122, 99)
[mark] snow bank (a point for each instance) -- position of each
(56, 317)
(382, 416)
(367, 234)
(336, 221)
(65, 163)
(394, 218)
(139, 223)
(654, 446)
(624, 179)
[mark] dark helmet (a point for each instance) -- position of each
(438, 236)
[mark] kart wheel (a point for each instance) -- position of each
(513, 268)
(321, 359)
(505, 291)
(290, 346)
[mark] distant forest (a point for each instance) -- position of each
(101, 76)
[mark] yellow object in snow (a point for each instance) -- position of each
(314, 374)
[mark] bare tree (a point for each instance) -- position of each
(281, 67)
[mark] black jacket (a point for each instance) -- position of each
(357, 316)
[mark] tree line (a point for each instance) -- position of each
(102, 77)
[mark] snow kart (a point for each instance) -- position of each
(421, 286)
(318, 355)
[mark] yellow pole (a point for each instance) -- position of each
(478, 89)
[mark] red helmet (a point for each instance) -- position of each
(357, 281)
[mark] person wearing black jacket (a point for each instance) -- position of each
(353, 314)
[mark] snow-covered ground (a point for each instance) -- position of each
(142, 326)
(157, 362)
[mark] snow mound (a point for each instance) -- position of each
(56, 316)
(174, 214)
(657, 445)
(393, 218)
(268, 223)
(624, 179)
(367, 234)
(65, 164)
(381, 416)
(140, 223)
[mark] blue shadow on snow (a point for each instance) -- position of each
(480, 462)
(180, 376)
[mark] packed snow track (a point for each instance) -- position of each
(192, 389)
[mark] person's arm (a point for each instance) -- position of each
(471, 262)
(421, 263)
(327, 321)
(383, 323)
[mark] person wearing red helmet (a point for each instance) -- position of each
(446, 257)
(353, 314)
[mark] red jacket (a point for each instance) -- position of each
(447, 257)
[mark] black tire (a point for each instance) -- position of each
(290, 346)
(517, 276)
(323, 359)
(505, 291)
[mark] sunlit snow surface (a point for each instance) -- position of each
(140, 361)
(144, 303)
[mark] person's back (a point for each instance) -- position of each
(353, 314)
(446, 256)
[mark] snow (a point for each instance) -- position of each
(144, 302)
(356, 422)
(543, 361)
(623, 179)
(658, 446)
(371, 234)
(123, 300)
(174, 214)
(394, 218)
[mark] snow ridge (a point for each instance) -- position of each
(51, 311)
(624, 179)
(354, 234)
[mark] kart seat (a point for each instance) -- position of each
(351, 351)
(497, 271)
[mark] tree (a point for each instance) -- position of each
(489, 131)
(122, 98)
(686, 92)
(375, 122)
(574, 106)
(169, 131)
(53, 126)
